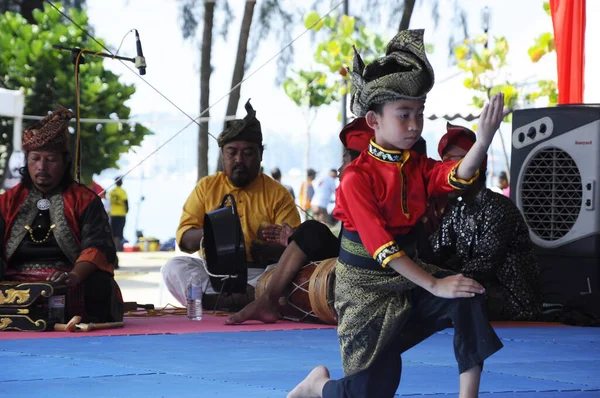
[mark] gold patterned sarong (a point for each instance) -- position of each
(372, 307)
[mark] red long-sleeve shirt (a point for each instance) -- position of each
(384, 193)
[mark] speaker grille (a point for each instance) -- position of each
(551, 193)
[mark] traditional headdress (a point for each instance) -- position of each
(246, 129)
(459, 136)
(403, 73)
(51, 133)
(356, 135)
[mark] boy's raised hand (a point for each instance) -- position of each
(490, 119)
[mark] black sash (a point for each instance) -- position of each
(353, 252)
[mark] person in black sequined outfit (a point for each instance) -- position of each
(483, 236)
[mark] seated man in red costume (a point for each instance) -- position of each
(54, 229)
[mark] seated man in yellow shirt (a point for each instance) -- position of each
(260, 201)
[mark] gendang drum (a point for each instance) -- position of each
(310, 296)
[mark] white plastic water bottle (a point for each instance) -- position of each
(194, 298)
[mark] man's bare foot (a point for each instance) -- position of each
(261, 309)
(312, 385)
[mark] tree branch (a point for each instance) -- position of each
(409, 6)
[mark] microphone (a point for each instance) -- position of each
(140, 61)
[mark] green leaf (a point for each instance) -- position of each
(461, 52)
(545, 38)
(347, 50)
(311, 19)
(546, 6)
(347, 25)
(478, 102)
(330, 22)
(333, 48)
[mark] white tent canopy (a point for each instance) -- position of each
(12, 104)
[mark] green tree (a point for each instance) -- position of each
(543, 45)
(26, 7)
(483, 63)
(335, 53)
(46, 76)
(310, 90)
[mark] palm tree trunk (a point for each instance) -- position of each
(409, 6)
(205, 70)
(27, 8)
(240, 65)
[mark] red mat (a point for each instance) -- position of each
(177, 324)
(170, 324)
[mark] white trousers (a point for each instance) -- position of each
(177, 271)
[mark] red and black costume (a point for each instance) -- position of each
(41, 233)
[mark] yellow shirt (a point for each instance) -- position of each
(306, 193)
(117, 197)
(263, 201)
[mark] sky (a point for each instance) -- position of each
(167, 177)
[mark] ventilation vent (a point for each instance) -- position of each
(551, 193)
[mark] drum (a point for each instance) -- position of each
(31, 306)
(224, 247)
(310, 296)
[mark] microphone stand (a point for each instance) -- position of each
(78, 53)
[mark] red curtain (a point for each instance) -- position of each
(568, 18)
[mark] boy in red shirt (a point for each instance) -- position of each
(388, 300)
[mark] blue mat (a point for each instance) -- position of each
(535, 362)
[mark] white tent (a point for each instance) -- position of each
(12, 104)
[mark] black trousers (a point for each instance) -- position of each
(316, 240)
(99, 298)
(117, 224)
(474, 341)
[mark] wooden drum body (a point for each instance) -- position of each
(310, 296)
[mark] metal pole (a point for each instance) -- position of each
(78, 53)
(344, 116)
(485, 23)
(77, 121)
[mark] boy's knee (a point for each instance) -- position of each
(475, 303)
(311, 228)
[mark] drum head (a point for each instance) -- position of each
(225, 250)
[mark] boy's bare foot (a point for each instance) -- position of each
(312, 385)
(261, 309)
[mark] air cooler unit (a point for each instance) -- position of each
(555, 178)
